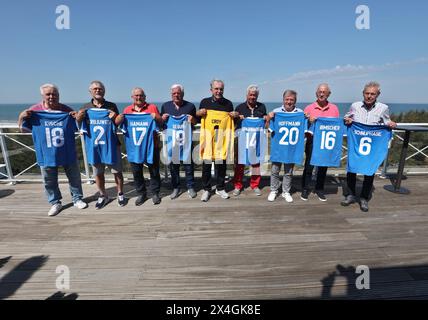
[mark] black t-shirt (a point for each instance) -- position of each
(221, 105)
(107, 105)
(258, 112)
(170, 108)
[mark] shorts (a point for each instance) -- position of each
(99, 168)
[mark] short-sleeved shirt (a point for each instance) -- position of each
(259, 111)
(40, 107)
(106, 105)
(219, 105)
(329, 111)
(315, 110)
(378, 114)
(171, 109)
(147, 108)
(282, 109)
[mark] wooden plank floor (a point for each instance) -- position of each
(241, 248)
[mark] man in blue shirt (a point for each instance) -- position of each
(369, 112)
(178, 107)
(55, 138)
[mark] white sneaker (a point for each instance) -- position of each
(287, 196)
(79, 204)
(55, 209)
(272, 195)
(205, 196)
(236, 192)
(223, 194)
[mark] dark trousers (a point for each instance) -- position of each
(307, 171)
(155, 181)
(175, 175)
(220, 173)
(351, 179)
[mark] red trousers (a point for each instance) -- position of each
(239, 174)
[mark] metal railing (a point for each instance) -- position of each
(7, 168)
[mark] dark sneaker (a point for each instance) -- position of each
(304, 195)
(192, 193)
(140, 199)
(350, 199)
(121, 200)
(101, 202)
(364, 205)
(175, 193)
(321, 195)
(156, 199)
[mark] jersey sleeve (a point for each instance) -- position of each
(272, 127)
(27, 125)
(84, 125)
(123, 127)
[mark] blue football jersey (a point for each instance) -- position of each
(252, 141)
(179, 140)
(53, 136)
(100, 137)
(327, 142)
(367, 147)
(288, 137)
(138, 130)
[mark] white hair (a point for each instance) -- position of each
(177, 85)
(216, 80)
(324, 85)
(48, 85)
(253, 87)
(137, 88)
(372, 84)
(97, 83)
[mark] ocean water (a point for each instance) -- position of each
(10, 112)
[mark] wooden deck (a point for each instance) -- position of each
(241, 248)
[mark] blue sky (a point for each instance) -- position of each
(153, 44)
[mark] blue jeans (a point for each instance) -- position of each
(50, 181)
(175, 175)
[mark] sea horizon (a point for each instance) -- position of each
(9, 111)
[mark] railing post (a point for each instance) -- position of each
(6, 157)
(384, 172)
(165, 156)
(85, 160)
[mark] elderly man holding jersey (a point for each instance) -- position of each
(370, 112)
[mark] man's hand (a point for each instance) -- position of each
(202, 113)
(80, 115)
(25, 114)
(348, 121)
(165, 117)
(191, 119)
(112, 115)
(233, 114)
(241, 117)
(73, 114)
(392, 124)
(119, 119)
